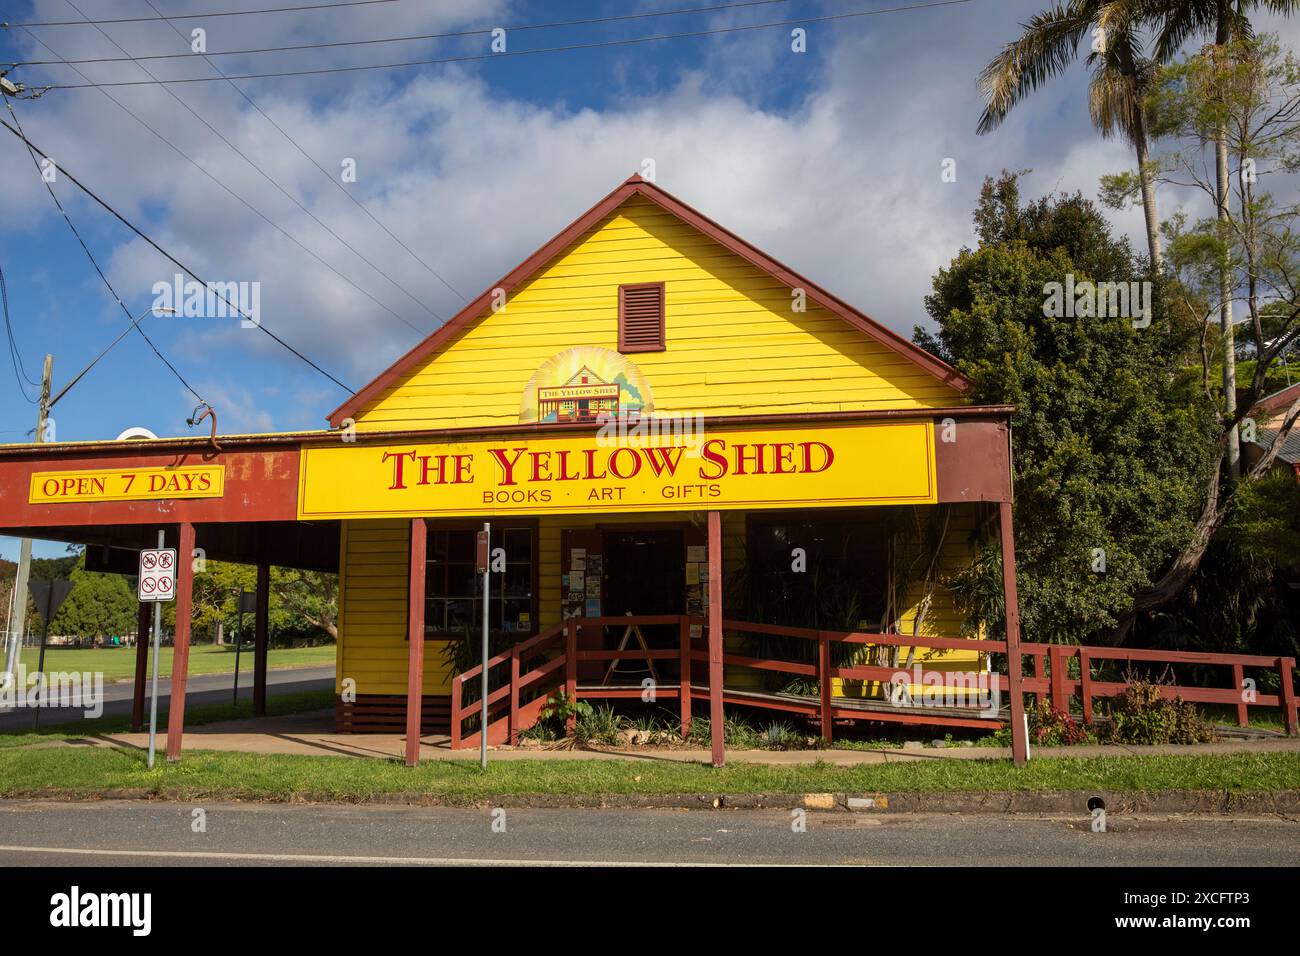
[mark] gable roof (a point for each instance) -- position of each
(634, 186)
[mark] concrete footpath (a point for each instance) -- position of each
(311, 735)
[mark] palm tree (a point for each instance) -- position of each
(1226, 21)
(1116, 94)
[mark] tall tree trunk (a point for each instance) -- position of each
(1223, 34)
(1148, 190)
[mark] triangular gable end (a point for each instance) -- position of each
(585, 376)
(635, 186)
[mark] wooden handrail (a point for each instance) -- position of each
(1055, 683)
(987, 645)
(504, 656)
(1097, 652)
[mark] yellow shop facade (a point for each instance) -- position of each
(642, 374)
(707, 483)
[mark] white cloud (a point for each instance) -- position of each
(843, 184)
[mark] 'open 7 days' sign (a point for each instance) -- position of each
(125, 484)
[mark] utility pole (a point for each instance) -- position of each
(18, 610)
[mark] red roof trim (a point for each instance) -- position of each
(634, 185)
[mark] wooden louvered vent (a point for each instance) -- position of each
(641, 317)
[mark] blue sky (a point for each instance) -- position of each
(829, 159)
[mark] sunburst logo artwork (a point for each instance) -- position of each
(583, 384)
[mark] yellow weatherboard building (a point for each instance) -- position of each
(650, 415)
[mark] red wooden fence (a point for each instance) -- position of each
(548, 662)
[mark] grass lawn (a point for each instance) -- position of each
(78, 771)
(277, 705)
(118, 663)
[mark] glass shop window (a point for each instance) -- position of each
(841, 586)
(454, 592)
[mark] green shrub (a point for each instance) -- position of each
(1048, 727)
(736, 732)
(1143, 715)
(781, 736)
(600, 725)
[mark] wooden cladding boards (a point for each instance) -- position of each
(372, 647)
(641, 317)
(733, 341)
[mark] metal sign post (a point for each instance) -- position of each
(49, 596)
(246, 604)
(484, 562)
(157, 583)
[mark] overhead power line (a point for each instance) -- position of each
(458, 34)
(20, 369)
(509, 54)
(284, 192)
(32, 151)
(169, 257)
(333, 180)
(238, 198)
(204, 16)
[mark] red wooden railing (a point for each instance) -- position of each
(521, 697)
(517, 702)
(1052, 664)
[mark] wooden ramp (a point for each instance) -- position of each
(842, 708)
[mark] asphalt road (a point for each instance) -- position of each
(201, 689)
(122, 833)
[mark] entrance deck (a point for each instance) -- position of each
(547, 664)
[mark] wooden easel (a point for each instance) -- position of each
(632, 629)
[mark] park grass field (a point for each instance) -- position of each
(118, 663)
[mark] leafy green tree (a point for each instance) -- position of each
(1112, 438)
(99, 605)
(1121, 76)
(1247, 96)
(302, 603)
(1227, 24)
(308, 598)
(1241, 598)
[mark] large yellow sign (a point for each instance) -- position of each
(778, 467)
(126, 484)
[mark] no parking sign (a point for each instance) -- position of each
(157, 581)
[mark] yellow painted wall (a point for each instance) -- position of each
(942, 619)
(735, 345)
(372, 646)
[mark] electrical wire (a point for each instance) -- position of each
(458, 34)
(36, 150)
(333, 180)
(203, 16)
(20, 370)
(257, 212)
(86, 249)
(284, 192)
(508, 54)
